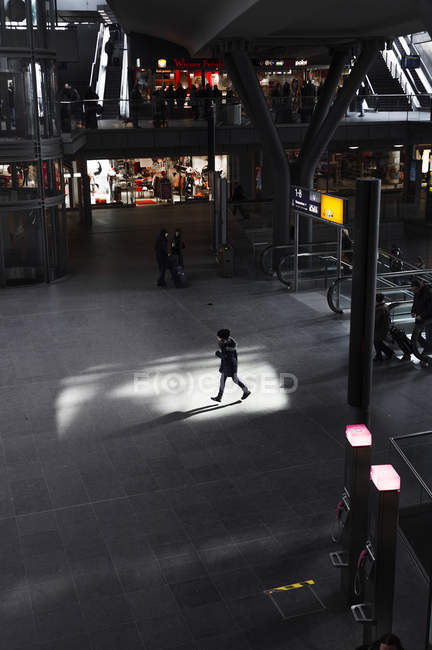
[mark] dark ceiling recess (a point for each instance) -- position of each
(197, 25)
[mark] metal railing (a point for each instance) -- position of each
(411, 456)
(159, 111)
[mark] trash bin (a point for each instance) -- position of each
(225, 259)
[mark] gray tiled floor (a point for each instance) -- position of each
(135, 513)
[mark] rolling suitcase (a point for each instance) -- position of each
(402, 340)
(180, 277)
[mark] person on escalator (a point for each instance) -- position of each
(422, 310)
(382, 326)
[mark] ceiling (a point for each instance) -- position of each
(197, 24)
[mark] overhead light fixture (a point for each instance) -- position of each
(398, 146)
(353, 147)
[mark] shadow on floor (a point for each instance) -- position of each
(175, 416)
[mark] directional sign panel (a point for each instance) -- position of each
(306, 201)
(315, 204)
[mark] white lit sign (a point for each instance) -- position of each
(301, 62)
(162, 63)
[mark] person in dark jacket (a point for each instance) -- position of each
(228, 364)
(180, 95)
(422, 309)
(161, 248)
(193, 99)
(382, 325)
(177, 246)
(170, 97)
(91, 109)
(136, 104)
(109, 49)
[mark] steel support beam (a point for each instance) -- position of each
(331, 122)
(242, 73)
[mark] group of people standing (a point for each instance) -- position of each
(292, 102)
(170, 257)
(73, 107)
(169, 102)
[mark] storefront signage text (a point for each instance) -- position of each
(184, 64)
(282, 63)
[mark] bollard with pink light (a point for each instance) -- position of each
(375, 576)
(351, 524)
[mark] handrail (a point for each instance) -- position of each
(396, 288)
(321, 254)
(408, 462)
(311, 244)
(393, 305)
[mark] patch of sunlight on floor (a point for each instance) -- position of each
(171, 385)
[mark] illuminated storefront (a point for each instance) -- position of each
(272, 72)
(184, 72)
(149, 181)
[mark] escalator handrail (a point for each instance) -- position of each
(319, 254)
(332, 287)
(330, 292)
(393, 305)
(291, 245)
(266, 250)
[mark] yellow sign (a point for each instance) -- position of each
(332, 209)
(162, 63)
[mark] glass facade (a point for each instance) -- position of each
(32, 223)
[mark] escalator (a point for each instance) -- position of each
(112, 92)
(398, 292)
(107, 71)
(382, 82)
(318, 265)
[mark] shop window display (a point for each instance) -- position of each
(20, 176)
(144, 181)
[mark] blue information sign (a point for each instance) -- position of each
(306, 201)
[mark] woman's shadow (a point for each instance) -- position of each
(175, 416)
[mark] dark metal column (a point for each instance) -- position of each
(211, 136)
(366, 225)
(243, 75)
(336, 113)
(38, 145)
(85, 198)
